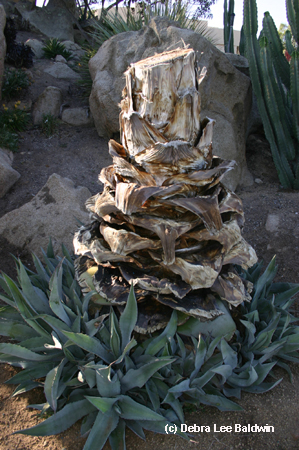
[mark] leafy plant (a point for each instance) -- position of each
(14, 81)
(49, 124)
(275, 83)
(92, 365)
(13, 120)
(112, 24)
(8, 140)
(53, 47)
(85, 81)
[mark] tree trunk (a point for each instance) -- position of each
(164, 222)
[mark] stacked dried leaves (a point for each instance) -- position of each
(164, 222)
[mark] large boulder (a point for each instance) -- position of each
(62, 71)
(53, 22)
(51, 213)
(2, 44)
(8, 176)
(48, 102)
(225, 91)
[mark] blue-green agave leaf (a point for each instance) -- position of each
(52, 384)
(103, 404)
(132, 410)
(60, 421)
(128, 319)
(103, 427)
(107, 386)
(138, 377)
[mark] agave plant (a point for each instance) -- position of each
(164, 221)
(91, 365)
(133, 20)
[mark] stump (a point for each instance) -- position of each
(164, 221)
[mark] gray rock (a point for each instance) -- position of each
(51, 213)
(77, 117)
(272, 223)
(2, 45)
(60, 58)
(8, 176)
(62, 71)
(37, 47)
(240, 62)
(75, 49)
(225, 91)
(51, 22)
(48, 102)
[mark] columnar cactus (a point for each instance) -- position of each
(228, 23)
(276, 85)
(164, 222)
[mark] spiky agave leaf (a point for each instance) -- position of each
(144, 385)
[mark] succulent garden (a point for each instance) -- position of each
(163, 305)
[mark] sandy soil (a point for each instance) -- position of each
(78, 153)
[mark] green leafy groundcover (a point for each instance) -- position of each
(91, 366)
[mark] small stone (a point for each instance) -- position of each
(272, 223)
(60, 58)
(48, 103)
(258, 181)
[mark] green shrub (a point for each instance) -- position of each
(9, 140)
(93, 366)
(13, 120)
(85, 81)
(53, 48)
(14, 81)
(49, 124)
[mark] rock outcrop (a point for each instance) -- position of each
(8, 176)
(225, 91)
(51, 213)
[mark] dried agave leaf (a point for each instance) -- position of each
(152, 316)
(124, 242)
(153, 284)
(102, 204)
(197, 304)
(228, 236)
(242, 254)
(185, 122)
(167, 230)
(231, 203)
(107, 177)
(116, 149)
(203, 177)
(137, 134)
(230, 288)
(127, 169)
(205, 141)
(171, 158)
(129, 197)
(102, 255)
(206, 207)
(199, 274)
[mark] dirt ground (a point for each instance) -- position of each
(78, 153)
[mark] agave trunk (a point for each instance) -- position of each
(164, 222)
